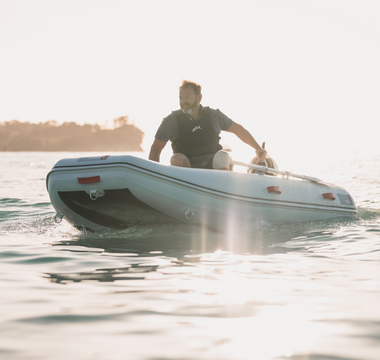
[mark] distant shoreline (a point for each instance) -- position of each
(69, 136)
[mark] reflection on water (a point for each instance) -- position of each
(276, 292)
(183, 246)
(290, 293)
(127, 273)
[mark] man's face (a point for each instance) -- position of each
(188, 100)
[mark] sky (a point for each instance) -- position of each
(303, 76)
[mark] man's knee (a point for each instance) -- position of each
(221, 160)
(181, 160)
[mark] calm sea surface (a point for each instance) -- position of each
(306, 291)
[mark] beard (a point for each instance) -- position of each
(188, 108)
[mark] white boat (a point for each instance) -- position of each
(119, 191)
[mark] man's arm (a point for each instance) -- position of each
(156, 149)
(245, 136)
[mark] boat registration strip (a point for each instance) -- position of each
(89, 180)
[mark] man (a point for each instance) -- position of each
(194, 132)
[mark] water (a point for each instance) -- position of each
(306, 291)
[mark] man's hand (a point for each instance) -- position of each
(261, 154)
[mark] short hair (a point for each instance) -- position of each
(190, 84)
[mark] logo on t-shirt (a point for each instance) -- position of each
(197, 128)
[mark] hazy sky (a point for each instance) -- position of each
(302, 75)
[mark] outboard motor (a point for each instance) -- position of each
(268, 162)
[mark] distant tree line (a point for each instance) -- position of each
(70, 136)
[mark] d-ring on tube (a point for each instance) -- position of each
(189, 213)
(94, 194)
(58, 218)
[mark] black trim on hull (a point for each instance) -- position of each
(116, 209)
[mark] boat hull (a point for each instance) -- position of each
(120, 191)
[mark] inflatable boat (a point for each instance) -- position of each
(104, 192)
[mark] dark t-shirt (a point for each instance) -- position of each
(168, 130)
